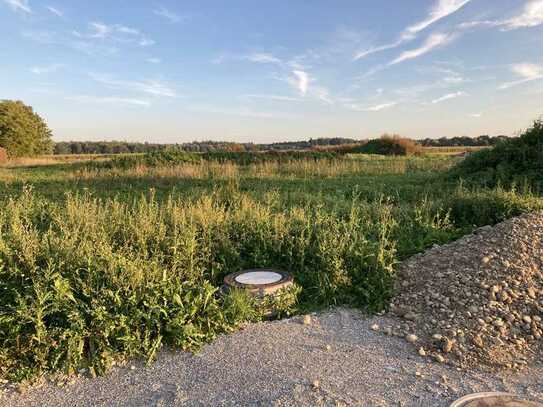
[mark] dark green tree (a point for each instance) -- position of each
(22, 131)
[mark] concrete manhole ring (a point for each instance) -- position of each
(262, 281)
(493, 399)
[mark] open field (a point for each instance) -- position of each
(100, 262)
(451, 150)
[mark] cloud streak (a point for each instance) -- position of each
(530, 16)
(526, 71)
(151, 87)
(163, 12)
(440, 10)
(19, 5)
(434, 41)
(449, 96)
(108, 100)
(55, 11)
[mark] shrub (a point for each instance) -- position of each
(389, 145)
(516, 161)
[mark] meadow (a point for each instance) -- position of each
(110, 259)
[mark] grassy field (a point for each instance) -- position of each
(100, 262)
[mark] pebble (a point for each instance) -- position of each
(411, 338)
(307, 320)
(375, 327)
(422, 352)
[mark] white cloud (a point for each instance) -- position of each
(272, 97)
(300, 81)
(167, 14)
(449, 96)
(475, 115)
(526, 71)
(101, 30)
(383, 106)
(145, 42)
(434, 41)
(55, 11)
(375, 108)
(38, 70)
(440, 10)
(19, 5)
(531, 16)
(151, 87)
(109, 100)
(263, 58)
(154, 60)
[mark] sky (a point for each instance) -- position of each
(264, 71)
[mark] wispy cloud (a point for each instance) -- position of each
(374, 108)
(151, 87)
(241, 111)
(39, 70)
(110, 100)
(449, 96)
(19, 5)
(434, 41)
(476, 115)
(526, 71)
(81, 44)
(154, 60)
(162, 11)
(440, 10)
(263, 58)
(531, 15)
(55, 11)
(279, 98)
(300, 81)
(101, 30)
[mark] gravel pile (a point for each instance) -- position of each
(477, 301)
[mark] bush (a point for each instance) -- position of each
(86, 282)
(516, 161)
(389, 145)
(23, 132)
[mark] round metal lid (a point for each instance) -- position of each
(258, 277)
(493, 399)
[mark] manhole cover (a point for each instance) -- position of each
(258, 281)
(493, 399)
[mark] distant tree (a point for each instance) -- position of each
(22, 131)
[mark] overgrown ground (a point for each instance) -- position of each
(100, 262)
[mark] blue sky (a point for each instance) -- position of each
(241, 70)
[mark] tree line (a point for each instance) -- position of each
(24, 133)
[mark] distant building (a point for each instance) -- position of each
(3, 155)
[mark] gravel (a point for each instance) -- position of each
(337, 359)
(479, 300)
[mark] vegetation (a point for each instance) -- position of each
(22, 131)
(122, 147)
(517, 161)
(104, 261)
(389, 145)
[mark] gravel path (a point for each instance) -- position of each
(336, 360)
